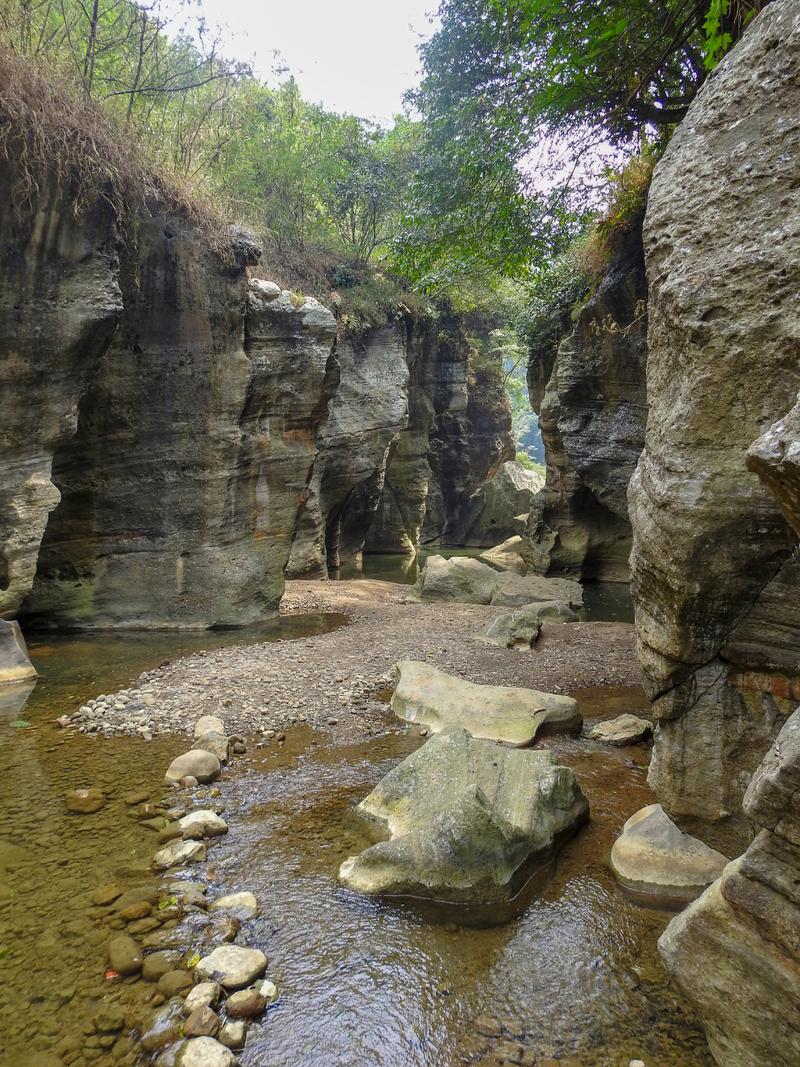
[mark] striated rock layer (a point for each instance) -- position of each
(715, 563)
(592, 406)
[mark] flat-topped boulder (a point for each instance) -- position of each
(513, 590)
(436, 700)
(232, 966)
(522, 627)
(196, 763)
(473, 582)
(469, 821)
(506, 556)
(652, 856)
(626, 729)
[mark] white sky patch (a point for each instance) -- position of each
(354, 56)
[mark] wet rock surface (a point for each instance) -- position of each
(624, 730)
(464, 816)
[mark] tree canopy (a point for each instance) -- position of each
(522, 101)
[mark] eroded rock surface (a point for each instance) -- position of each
(736, 950)
(465, 818)
(714, 563)
(490, 515)
(653, 857)
(436, 700)
(592, 406)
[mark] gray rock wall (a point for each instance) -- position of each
(592, 405)
(715, 563)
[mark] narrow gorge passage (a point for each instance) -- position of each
(399, 533)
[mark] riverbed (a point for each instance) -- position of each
(574, 978)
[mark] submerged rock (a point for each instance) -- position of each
(653, 856)
(241, 905)
(85, 801)
(179, 852)
(431, 698)
(15, 666)
(468, 821)
(197, 763)
(624, 730)
(124, 955)
(522, 627)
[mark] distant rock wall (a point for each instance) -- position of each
(715, 563)
(592, 404)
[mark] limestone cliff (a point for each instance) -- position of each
(409, 434)
(592, 406)
(715, 563)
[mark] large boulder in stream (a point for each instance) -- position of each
(473, 582)
(470, 821)
(436, 700)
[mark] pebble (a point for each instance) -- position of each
(233, 1033)
(106, 894)
(203, 995)
(175, 983)
(159, 963)
(202, 1022)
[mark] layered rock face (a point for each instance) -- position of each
(497, 511)
(408, 437)
(60, 302)
(736, 950)
(715, 563)
(592, 406)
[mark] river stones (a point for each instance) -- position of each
(202, 1022)
(174, 984)
(202, 823)
(246, 1004)
(179, 852)
(242, 905)
(85, 801)
(624, 730)
(468, 819)
(654, 857)
(106, 894)
(209, 724)
(215, 743)
(204, 1052)
(436, 700)
(506, 556)
(203, 995)
(522, 627)
(124, 955)
(202, 765)
(15, 666)
(233, 966)
(233, 1033)
(159, 963)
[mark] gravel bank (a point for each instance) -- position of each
(338, 680)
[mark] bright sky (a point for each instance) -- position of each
(357, 56)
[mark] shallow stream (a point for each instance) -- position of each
(574, 978)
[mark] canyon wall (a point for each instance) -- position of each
(171, 429)
(592, 404)
(715, 563)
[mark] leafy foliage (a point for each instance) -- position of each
(524, 105)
